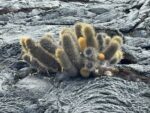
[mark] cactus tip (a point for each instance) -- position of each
(101, 56)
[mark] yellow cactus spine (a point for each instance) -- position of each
(35, 63)
(65, 62)
(110, 51)
(117, 57)
(118, 39)
(22, 43)
(48, 44)
(71, 49)
(29, 43)
(101, 41)
(70, 32)
(114, 60)
(89, 34)
(63, 59)
(78, 29)
(107, 40)
(47, 59)
(27, 58)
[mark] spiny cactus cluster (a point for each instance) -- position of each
(81, 51)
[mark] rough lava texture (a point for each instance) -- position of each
(24, 91)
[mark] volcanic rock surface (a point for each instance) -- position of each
(24, 92)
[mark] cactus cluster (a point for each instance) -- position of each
(81, 51)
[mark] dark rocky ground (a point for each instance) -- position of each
(36, 93)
